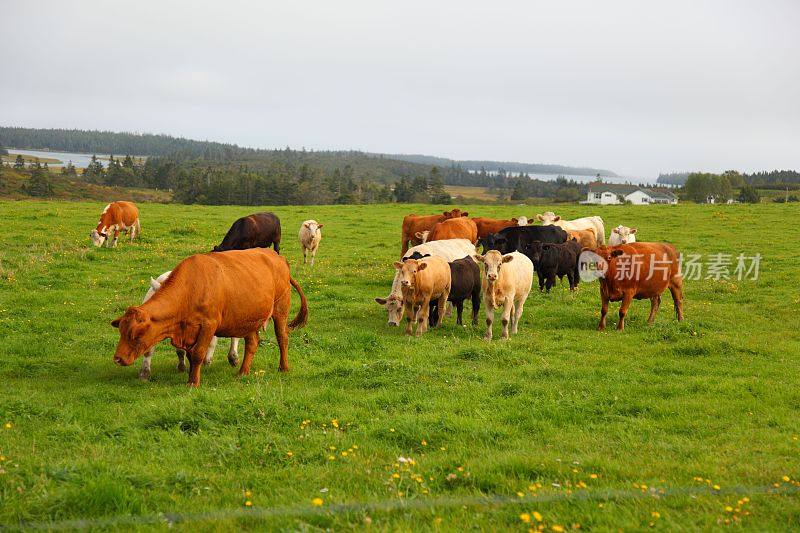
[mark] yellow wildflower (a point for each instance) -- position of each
(537, 515)
(317, 501)
(248, 503)
(525, 517)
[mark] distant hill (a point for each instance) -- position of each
(673, 178)
(508, 166)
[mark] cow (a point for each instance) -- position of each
(585, 237)
(229, 294)
(117, 217)
(451, 228)
(310, 236)
(516, 238)
(622, 235)
(492, 225)
(556, 260)
(637, 271)
(506, 284)
(417, 223)
(422, 281)
(144, 372)
(259, 230)
(465, 282)
(449, 250)
(591, 223)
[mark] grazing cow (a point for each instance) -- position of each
(116, 217)
(259, 230)
(515, 239)
(144, 373)
(585, 237)
(506, 283)
(591, 223)
(465, 282)
(622, 235)
(452, 228)
(449, 250)
(637, 271)
(310, 235)
(557, 260)
(492, 225)
(421, 282)
(231, 294)
(416, 223)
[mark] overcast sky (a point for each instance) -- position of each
(637, 87)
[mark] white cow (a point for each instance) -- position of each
(622, 235)
(144, 373)
(506, 284)
(310, 235)
(591, 223)
(447, 249)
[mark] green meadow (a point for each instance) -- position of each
(678, 426)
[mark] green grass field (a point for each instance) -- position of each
(678, 426)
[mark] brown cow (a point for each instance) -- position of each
(452, 228)
(223, 294)
(422, 281)
(639, 270)
(116, 217)
(412, 224)
(585, 237)
(493, 225)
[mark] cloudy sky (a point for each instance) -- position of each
(636, 87)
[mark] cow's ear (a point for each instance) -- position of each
(418, 235)
(514, 220)
(422, 266)
(539, 217)
(616, 253)
(447, 213)
(381, 301)
(398, 264)
(319, 226)
(465, 214)
(556, 219)
(116, 322)
(633, 230)
(154, 284)
(615, 230)
(478, 257)
(508, 258)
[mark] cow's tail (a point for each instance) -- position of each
(302, 316)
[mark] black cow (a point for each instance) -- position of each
(556, 260)
(259, 230)
(516, 238)
(465, 276)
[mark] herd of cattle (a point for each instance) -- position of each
(234, 290)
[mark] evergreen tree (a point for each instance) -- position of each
(39, 184)
(749, 195)
(94, 172)
(19, 162)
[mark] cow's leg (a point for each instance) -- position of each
(198, 353)
(250, 346)
(116, 236)
(508, 308)
(233, 352)
(476, 305)
(276, 245)
(433, 314)
(210, 352)
(603, 312)
(443, 303)
(541, 280)
(655, 302)
(518, 306)
(676, 289)
(422, 316)
(313, 255)
(408, 307)
(181, 364)
(627, 298)
(489, 321)
(551, 281)
(144, 372)
(459, 305)
(305, 254)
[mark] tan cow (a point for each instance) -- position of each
(422, 281)
(585, 237)
(452, 228)
(416, 223)
(117, 217)
(506, 284)
(622, 235)
(591, 223)
(223, 294)
(310, 237)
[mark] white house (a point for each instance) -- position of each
(612, 193)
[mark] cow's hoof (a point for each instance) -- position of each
(233, 361)
(286, 369)
(144, 376)
(207, 361)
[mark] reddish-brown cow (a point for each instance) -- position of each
(412, 224)
(116, 217)
(637, 271)
(223, 294)
(492, 225)
(454, 228)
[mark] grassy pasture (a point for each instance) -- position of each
(605, 430)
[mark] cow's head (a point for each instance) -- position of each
(312, 225)
(98, 238)
(492, 262)
(624, 233)
(534, 251)
(422, 235)
(548, 218)
(493, 241)
(407, 271)
(520, 221)
(136, 335)
(394, 305)
(455, 213)
(609, 252)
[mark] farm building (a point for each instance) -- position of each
(611, 193)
